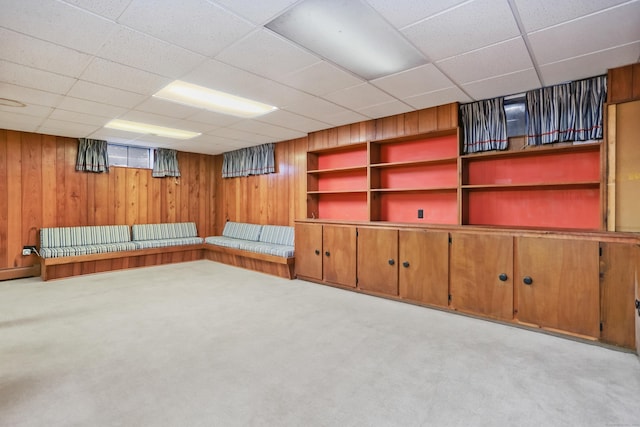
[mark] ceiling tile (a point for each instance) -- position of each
(114, 136)
(508, 84)
(193, 126)
(29, 96)
(20, 122)
(293, 121)
(196, 25)
(37, 79)
(267, 54)
(94, 108)
(141, 51)
(589, 65)
(426, 78)
(76, 117)
(56, 22)
(213, 119)
(106, 95)
(220, 76)
(277, 133)
(166, 108)
(39, 54)
(539, 14)
(240, 135)
(258, 12)
(501, 58)
(387, 109)
(360, 96)
(438, 97)
(401, 13)
(109, 9)
(320, 78)
(120, 76)
(318, 108)
(457, 30)
(31, 110)
(344, 117)
(611, 28)
(64, 128)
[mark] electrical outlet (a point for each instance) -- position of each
(26, 251)
(420, 213)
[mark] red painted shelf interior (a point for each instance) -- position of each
(345, 158)
(432, 176)
(564, 167)
(347, 206)
(432, 148)
(438, 207)
(343, 181)
(552, 208)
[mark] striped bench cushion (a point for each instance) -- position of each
(227, 242)
(241, 230)
(163, 243)
(277, 234)
(268, 248)
(58, 237)
(86, 249)
(164, 231)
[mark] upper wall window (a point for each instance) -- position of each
(131, 157)
(515, 112)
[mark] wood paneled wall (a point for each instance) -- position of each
(277, 198)
(623, 84)
(39, 187)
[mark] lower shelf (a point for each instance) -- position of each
(438, 207)
(344, 206)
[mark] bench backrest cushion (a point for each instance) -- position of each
(175, 230)
(277, 234)
(241, 230)
(59, 237)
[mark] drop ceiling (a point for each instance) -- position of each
(77, 64)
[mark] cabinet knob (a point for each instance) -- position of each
(527, 280)
(405, 264)
(503, 277)
(317, 252)
(327, 253)
(392, 261)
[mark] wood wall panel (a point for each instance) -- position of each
(623, 84)
(39, 187)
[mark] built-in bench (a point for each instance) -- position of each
(70, 251)
(265, 248)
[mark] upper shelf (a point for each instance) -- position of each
(415, 163)
(532, 150)
(337, 170)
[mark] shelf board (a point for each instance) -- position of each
(338, 148)
(540, 185)
(414, 190)
(407, 138)
(533, 150)
(337, 170)
(445, 160)
(337, 192)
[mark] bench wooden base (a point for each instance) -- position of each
(56, 268)
(270, 264)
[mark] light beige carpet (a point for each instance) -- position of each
(204, 344)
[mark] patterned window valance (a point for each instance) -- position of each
(484, 125)
(92, 156)
(256, 160)
(165, 163)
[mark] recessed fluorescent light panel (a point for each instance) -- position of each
(213, 100)
(151, 129)
(349, 33)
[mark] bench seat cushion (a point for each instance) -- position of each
(163, 243)
(241, 230)
(86, 249)
(268, 248)
(60, 237)
(277, 234)
(227, 242)
(163, 231)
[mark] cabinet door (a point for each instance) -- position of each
(309, 250)
(339, 246)
(378, 260)
(481, 274)
(558, 284)
(424, 266)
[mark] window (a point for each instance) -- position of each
(515, 111)
(131, 157)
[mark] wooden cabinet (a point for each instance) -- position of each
(558, 284)
(424, 266)
(309, 251)
(339, 256)
(481, 276)
(378, 260)
(550, 187)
